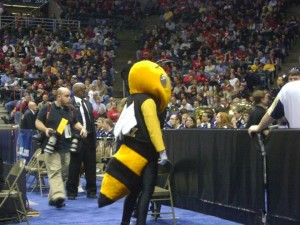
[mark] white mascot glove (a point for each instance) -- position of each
(163, 158)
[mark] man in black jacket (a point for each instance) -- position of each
(124, 75)
(261, 101)
(28, 120)
(85, 154)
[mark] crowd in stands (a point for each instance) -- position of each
(126, 14)
(218, 53)
(36, 62)
(216, 58)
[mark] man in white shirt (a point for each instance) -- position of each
(286, 104)
(186, 105)
(170, 25)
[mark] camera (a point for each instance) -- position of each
(76, 143)
(51, 143)
(39, 137)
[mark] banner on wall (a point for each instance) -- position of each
(24, 150)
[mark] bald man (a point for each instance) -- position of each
(58, 117)
(87, 154)
(28, 119)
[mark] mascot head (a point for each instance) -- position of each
(149, 78)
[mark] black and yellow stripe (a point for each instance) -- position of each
(122, 174)
(125, 169)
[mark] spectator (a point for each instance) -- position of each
(175, 122)
(279, 84)
(237, 120)
(209, 69)
(222, 121)
(108, 128)
(15, 114)
(205, 119)
(10, 83)
(190, 122)
(99, 127)
(286, 104)
(261, 101)
(186, 105)
(97, 104)
(28, 119)
(43, 102)
(294, 75)
(113, 113)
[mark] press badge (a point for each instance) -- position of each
(62, 125)
(68, 131)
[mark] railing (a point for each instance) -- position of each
(115, 21)
(49, 25)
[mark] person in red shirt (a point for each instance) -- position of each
(113, 113)
(146, 53)
(198, 63)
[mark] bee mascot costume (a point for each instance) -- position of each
(133, 169)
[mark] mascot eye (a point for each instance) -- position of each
(163, 80)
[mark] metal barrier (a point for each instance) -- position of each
(49, 25)
(105, 148)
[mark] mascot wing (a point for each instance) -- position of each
(125, 122)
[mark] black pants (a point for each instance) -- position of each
(143, 193)
(87, 156)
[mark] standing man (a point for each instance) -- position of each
(43, 102)
(286, 104)
(87, 153)
(261, 101)
(124, 75)
(28, 120)
(57, 121)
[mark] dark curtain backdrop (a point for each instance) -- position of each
(218, 172)
(283, 157)
(6, 146)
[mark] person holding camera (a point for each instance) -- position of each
(58, 121)
(86, 152)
